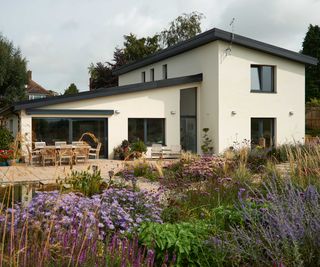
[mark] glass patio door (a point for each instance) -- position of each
(188, 134)
(188, 119)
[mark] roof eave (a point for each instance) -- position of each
(102, 92)
(210, 36)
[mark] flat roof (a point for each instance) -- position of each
(211, 36)
(130, 88)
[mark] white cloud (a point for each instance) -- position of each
(61, 38)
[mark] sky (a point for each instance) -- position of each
(60, 38)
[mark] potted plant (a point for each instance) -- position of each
(138, 148)
(5, 156)
(10, 158)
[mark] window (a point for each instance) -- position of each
(11, 126)
(262, 78)
(50, 130)
(143, 76)
(262, 132)
(165, 71)
(150, 131)
(152, 75)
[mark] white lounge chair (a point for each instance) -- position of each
(156, 151)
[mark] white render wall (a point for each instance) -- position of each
(235, 95)
(155, 103)
(203, 60)
(226, 88)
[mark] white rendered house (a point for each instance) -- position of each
(239, 88)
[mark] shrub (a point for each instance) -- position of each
(205, 168)
(88, 183)
(185, 241)
(6, 138)
(115, 210)
(206, 146)
(122, 151)
(139, 147)
(283, 233)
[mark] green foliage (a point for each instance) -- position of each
(13, 73)
(314, 102)
(72, 89)
(101, 73)
(138, 48)
(226, 216)
(139, 146)
(182, 28)
(185, 240)
(311, 47)
(6, 138)
(206, 146)
(122, 151)
(88, 183)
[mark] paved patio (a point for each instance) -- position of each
(25, 174)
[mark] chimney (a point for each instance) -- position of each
(29, 74)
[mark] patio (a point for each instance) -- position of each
(26, 174)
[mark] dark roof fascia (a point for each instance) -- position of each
(267, 48)
(210, 36)
(32, 111)
(194, 42)
(130, 88)
(6, 110)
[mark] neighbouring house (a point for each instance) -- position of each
(35, 90)
(239, 88)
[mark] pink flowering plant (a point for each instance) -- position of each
(5, 155)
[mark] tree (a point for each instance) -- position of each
(13, 73)
(134, 48)
(182, 28)
(311, 47)
(72, 89)
(101, 73)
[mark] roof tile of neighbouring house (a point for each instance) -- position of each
(35, 88)
(210, 36)
(130, 88)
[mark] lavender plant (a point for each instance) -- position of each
(283, 233)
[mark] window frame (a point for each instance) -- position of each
(260, 73)
(165, 71)
(152, 75)
(145, 129)
(143, 76)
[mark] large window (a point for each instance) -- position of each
(262, 78)
(150, 131)
(262, 132)
(50, 130)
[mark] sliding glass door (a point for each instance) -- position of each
(50, 130)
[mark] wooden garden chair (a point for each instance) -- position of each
(48, 154)
(94, 152)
